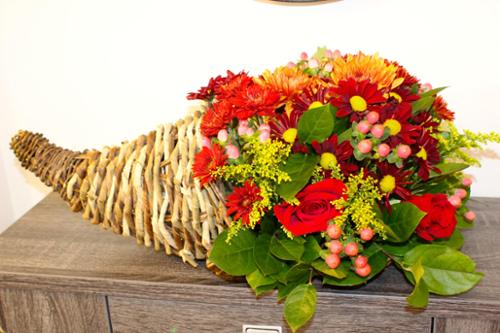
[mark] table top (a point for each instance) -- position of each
(52, 248)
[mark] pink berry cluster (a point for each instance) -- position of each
(460, 194)
(348, 249)
(244, 129)
(369, 126)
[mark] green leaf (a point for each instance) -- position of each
(433, 92)
(462, 223)
(300, 168)
(300, 306)
(315, 125)
(448, 169)
(267, 263)
(285, 289)
(321, 266)
(256, 279)
(311, 250)
(345, 135)
(236, 257)
(403, 220)
(419, 298)
(299, 273)
(422, 104)
(399, 249)
(455, 241)
(286, 249)
(264, 289)
(378, 261)
(446, 271)
(268, 224)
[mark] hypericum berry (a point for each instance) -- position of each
(365, 146)
(304, 56)
(334, 231)
(336, 246)
(461, 193)
(455, 201)
(470, 216)
(249, 131)
(404, 151)
(351, 249)
(364, 271)
(467, 181)
(205, 142)
(333, 260)
(232, 151)
(313, 63)
(360, 261)
(264, 136)
(328, 67)
(366, 234)
(364, 126)
(425, 87)
(222, 135)
(383, 149)
(378, 131)
(372, 117)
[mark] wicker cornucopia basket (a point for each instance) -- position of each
(142, 188)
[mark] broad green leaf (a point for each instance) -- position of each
(236, 257)
(285, 289)
(399, 249)
(462, 223)
(345, 135)
(419, 298)
(264, 289)
(265, 261)
(268, 225)
(300, 273)
(256, 279)
(455, 241)
(378, 261)
(448, 169)
(286, 249)
(422, 104)
(321, 266)
(311, 250)
(403, 220)
(300, 168)
(446, 271)
(433, 92)
(315, 125)
(300, 306)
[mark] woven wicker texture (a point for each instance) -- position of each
(143, 188)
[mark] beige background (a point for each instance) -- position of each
(95, 72)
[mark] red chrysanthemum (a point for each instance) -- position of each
(427, 154)
(240, 202)
(254, 99)
(216, 118)
(207, 93)
(356, 98)
(441, 109)
(393, 181)
(342, 152)
(409, 79)
(397, 120)
(207, 161)
(232, 85)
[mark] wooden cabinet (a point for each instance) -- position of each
(59, 273)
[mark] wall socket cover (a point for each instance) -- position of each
(261, 329)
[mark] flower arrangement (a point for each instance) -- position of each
(335, 167)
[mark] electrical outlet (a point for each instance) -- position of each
(261, 329)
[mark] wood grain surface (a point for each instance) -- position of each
(457, 325)
(54, 250)
(32, 311)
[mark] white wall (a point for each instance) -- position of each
(93, 72)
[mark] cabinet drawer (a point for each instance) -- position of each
(141, 315)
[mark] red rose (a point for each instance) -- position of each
(315, 208)
(440, 220)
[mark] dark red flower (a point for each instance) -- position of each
(441, 109)
(356, 98)
(315, 209)
(393, 180)
(396, 117)
(342, 152)
(427, 154)
(240, 202)
(440, 220)
(409, 79)
(207, 93)
(207, 161)
(217, 117)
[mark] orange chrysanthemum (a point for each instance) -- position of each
(288, 81)
(441, 109)
(362, 67)
(207, 161)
